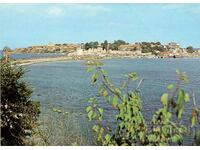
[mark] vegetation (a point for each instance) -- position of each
(190, 49)
(130, 127)
(6, 48)
(91, 45)
(18, 113)
(105, 45)
(115, 45)
(152, 47)
(58, 127)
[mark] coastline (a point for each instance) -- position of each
(25, 62)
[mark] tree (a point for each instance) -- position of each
(94, 44)
(18, 113)
(91, 45)
(190, 49)
(6, 48)
(86, 46)
(130, 127)
(115, 45)
(105, 45)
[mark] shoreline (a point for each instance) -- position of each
(25, 62)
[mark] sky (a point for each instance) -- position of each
(23, 25)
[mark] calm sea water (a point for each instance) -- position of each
(36, 55)
(66, 85)
(31, 55)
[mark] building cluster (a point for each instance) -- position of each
(161, 51)
(49, 48)
(139, 49)
(139, 46)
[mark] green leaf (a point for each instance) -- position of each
(123, 85)
(170, 87)
(187, 97)
(104, 72)
(180, 97)
(180, 101)
(133, 76)
(178, 72)
(95, 128)
(91, 100)
(152, 137)
(197, 138)
(176, 138)
(142, 135)
(94, 77)
(164, 98)
(183, 129)
(117, 91)
(57, 110)
(105, 93)
(100, 134)
(100, 111)
(90, 115)
(180, 111)
(100, 90)
(107, 137)
(114, 101)
(66, 113)
(89, 69)
(88, 108)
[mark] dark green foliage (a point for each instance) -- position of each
(197, 138)
(151, 47)
(18, 113)
(6, 48)
(105, 45)
(91, 45)
(190, 49)
(115, 45)
(130, 127)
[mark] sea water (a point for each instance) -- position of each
(66, 85)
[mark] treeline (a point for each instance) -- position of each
(152, 47)
(105, 45)
(145, 47)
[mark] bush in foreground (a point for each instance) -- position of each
(18, 113)
(130, 128)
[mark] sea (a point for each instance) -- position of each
(66, 86)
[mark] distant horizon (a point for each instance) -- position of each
(24, 25)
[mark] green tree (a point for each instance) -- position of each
(91, 45)
(18, 113)
(105, 45)
(6, 48)
(115, 45)
(190, 49)
(87, 46)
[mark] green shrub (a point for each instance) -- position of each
(18, 113)
(130, 127)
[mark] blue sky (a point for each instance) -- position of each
(22, 25)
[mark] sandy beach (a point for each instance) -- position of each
(23, 62)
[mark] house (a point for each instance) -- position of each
(174, 47)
